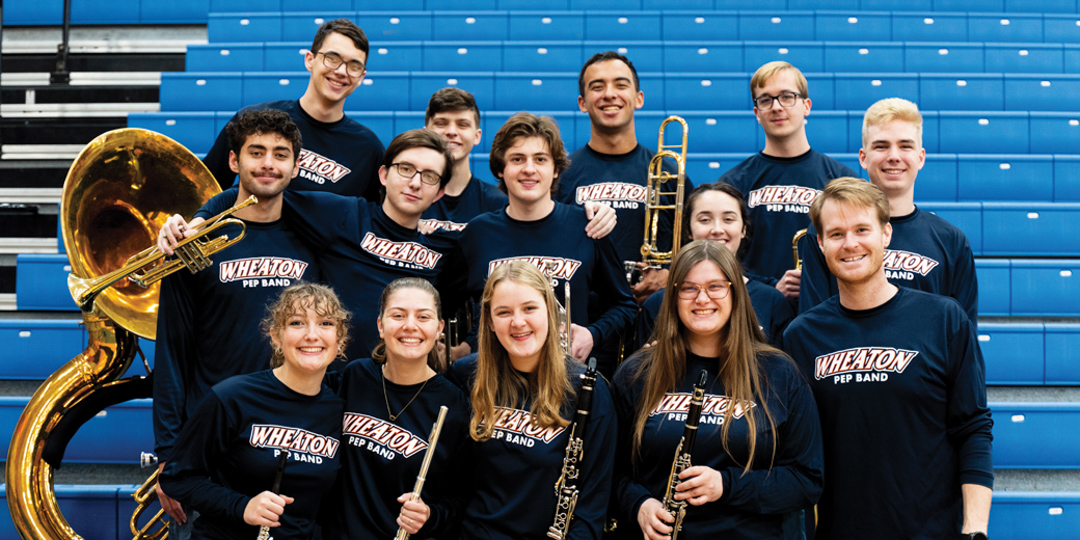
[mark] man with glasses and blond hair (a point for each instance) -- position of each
(340, 155)
(781, 181)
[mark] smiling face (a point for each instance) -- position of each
(703, 317)
(409, 325)
(308, 341)
(266, 165)
(853, 241)
(334, 85)
(610, 97)
(407, 198)
(529, 171)
(781, 122)
(519, 321)
(715, 216)
(893, 156)
(460, 130)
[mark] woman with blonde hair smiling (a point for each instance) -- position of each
(758, 456)
(523, 387)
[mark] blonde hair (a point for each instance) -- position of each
(852, 191)
(764, 73)
(497, 383)
(378, 354)
(742, 344)
(298, 298)
(888, 110)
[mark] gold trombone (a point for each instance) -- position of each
(795, 248)
(655, 191)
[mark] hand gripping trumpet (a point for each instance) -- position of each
(433, 439)
(566, 488)
(677, 509)
(264, 531)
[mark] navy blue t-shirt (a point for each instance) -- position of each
(381, 458)
(514, 473)
(360, 250)
(340, 157)
(901, 390)
(208, 322)
(762, 503)
(778, 192)
(453, 213)
(771, 308)
(228, 453)
(926, 253)
(557, 245)
(619, 181)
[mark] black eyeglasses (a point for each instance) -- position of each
(354, 68)
(716, 290)
(786, 99)
(406, 170)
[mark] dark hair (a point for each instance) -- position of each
(260, 122)
(344, 27)
(604, 57)
(449, 100)
(421, 138)
(378, 354)
(523, 125)
(722, 187)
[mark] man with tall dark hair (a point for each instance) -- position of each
(340, 155)
(193, 352)
(900, 386)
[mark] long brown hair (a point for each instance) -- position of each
(378, 354)
(741, 345)
(497, 383)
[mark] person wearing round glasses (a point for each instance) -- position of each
(340, 155)
(758, 456)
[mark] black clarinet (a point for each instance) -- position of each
(566, 489)
(264, 531)
(683, 452)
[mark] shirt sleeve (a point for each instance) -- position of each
(217, 160)
(617, 302)
(795, 480)
(817, 283)
(968, 421)
(592, 502)
(202, 445)
(172, 350)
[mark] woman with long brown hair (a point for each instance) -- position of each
(758, 457)
(523, 387)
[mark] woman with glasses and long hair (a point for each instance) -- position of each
(392, 401)
(524, 388)
(758, 456)
(229, 453)
(718, 212)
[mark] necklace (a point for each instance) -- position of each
(394, 417)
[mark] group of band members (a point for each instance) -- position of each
(871, 404)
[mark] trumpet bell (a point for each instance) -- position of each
(117, 195)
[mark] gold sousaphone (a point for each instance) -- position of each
(118, 193)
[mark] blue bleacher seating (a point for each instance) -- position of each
(1040, 92)
(942, 57)
(469, 25)
(181, 12)
(937, 179)
(116, 435)
(1061, 28)
(381, 122)
(1029, 514)
(724, 91)
(1006, 177)
(390, 89)
(1071, 58)
(995, 287)
(703, 5)
(268, 86)
(200, 91)
(968, 91)
(224, 57)
(195, 130)
(1041, 6)
(41, 283)
(647, 56)
(533, 4)
(859, 91)
(716, 131)
(862, 57)
(1014, 27)
(36, 348)
(617, 25)
(403, 26)
(929, 26)
(1025, 58)
(1035, 435)
(697, 26)
(851, 25)
(809, 56)
(221, 6)
(767, 25)
(1013, 353)
(968, 218)
(1067, 178)
(1062, 353)
(91, 510)
(462, 55)
(422, 85)
(468, 5)
(543, 56)
(396, 55)
(302, 25)
(1045, 288)
(547, 25)
(328, 5)
(535, 91)
(969, 5)
(977, 132)
(1040, 226)
(897, 5)
(828, 131)
(245, 27)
